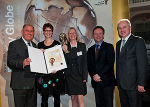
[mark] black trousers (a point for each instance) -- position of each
(104, 96)
(129, 98)
(45, 97)
(145, 98)
(25, 97)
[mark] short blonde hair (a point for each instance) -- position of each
(76, 34)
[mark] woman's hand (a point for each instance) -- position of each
(42, 50)
(65, 48)
(54, 72)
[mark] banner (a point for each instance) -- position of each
(84, 15)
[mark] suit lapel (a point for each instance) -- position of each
(24, 48)
(69, 46)
(78, 46)
(118, 48)
(22, 43)
(70, 50)
(127, 44)
(33, 44)
(92, 53)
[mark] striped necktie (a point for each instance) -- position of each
(29, 44)
(123, 43)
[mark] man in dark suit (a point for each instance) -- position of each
(100, 59)
(130, 65)
(22, 80)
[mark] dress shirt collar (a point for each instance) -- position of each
(126, 38)
(99, 45)
(26, 42)
(73, 46)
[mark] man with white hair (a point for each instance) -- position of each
(131, 62)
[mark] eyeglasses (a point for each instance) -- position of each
(47, 30)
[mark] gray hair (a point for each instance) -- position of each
(124, 20)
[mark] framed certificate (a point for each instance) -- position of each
(46, 62)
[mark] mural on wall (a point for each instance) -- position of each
(84, 15)
(62, 14)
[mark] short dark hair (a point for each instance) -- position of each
(27, 25)
(99, 27)
(46, 25)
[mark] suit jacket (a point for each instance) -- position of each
(131, 63)
(81, 60)
(103, 66)
(21, 77)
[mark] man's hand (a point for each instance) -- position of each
(141, 88)
(84, 80)
(26, 62)
(42, 50)
(97, 78)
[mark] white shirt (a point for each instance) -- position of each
(126, 38)
(26, 42)
(73, 46)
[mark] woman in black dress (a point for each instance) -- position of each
(76, 74)
(50, 84)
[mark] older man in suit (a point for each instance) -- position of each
(22, 80)
(100, 58)
(130, 65)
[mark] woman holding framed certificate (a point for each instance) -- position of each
(76, 73)
(50, 84)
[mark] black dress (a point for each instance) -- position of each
(77, 70)
(50, 84)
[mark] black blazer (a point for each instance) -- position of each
(103, 66)
(21, 78)
(131, 63)
(81, 60)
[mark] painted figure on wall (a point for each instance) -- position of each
(62, 14)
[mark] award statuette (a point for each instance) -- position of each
(63, 40)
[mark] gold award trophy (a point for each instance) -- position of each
(63, 40)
